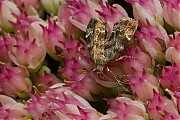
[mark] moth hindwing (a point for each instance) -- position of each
(104, 47)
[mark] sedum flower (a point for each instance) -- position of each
(150, 10)
(80, 80)
(27, 53)
(45, 81)
(30, 6)
(160, 108)
(111, 14)
(171, 13)
(148, 41)
(52, 6)
(177, 97)
(173, 47)
(7, 9)
(123, 108)
(134, 58)
(6, 44)
(77, 13)
(14, 81)
(73, 48)
(60, 103)
(170, 77)
(31, 25)
(53, 37)
(11, 110)
(143, 84)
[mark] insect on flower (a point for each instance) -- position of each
(102, 46)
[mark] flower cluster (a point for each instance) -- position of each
(47, 71)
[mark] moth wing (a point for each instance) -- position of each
(90, 33)
(120, 36)
(94, 31)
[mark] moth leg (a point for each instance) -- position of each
(124, 57)
(122, 81)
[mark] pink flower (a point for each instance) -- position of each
(160, 107)
(79, 12)
(123, 108)
(60, 103)
(7, 16)
(74, 9)
(173, 50)
(53, 37)
(111, 14)
(12, 110)
(74, 49)
(80, 80)
(14, 81)
(171, 13)
(45, 81)
(27, 53)
(170, 77)
(134, 58)
(52, 6)
(143, 84)
(148, 41)
(29, 24)
(6, 44)
(177, 96)
(150, 10)
(30, 6)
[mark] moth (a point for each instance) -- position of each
(104, 46)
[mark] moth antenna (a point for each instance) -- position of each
(84, 78)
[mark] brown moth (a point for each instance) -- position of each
(102, 46)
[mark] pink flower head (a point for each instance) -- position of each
(123, 108)
(14, 81)
(12, 110)
(29, 24)
(53, 37)
(160, 106)
(52, 6)
(60, 103)
(173, 51)
(74, 9)
(6, 44)
(79, 12)
(148, 43)
(171, 77)
(79, 77)
(27, 53)
(7, 9)
(171, 13)
(149, 9)
(177, 96)
(45, 81)
(111, 14)
(134, 58)
(74, 49)
(30, 6)
(143, 84)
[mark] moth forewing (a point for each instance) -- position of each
(121, 34)
(95, 35)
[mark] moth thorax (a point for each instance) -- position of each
(99, 68)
